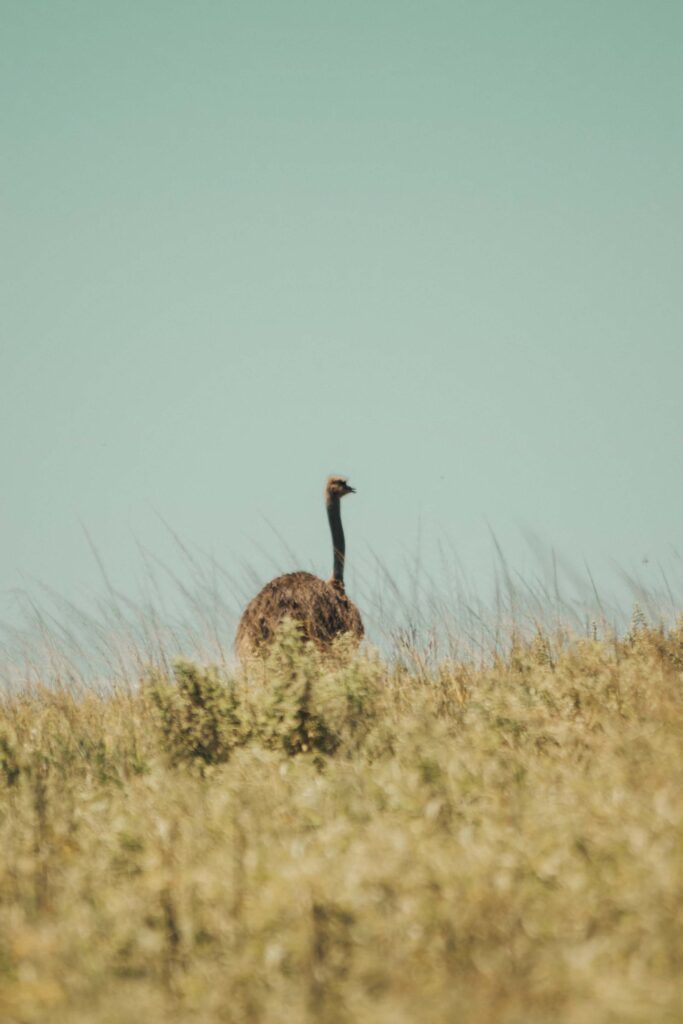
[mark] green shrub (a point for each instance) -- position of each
(289, 716)
(198, 714)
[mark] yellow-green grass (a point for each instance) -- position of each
(351, 841)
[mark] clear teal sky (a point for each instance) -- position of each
(435, 246)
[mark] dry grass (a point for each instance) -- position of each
(351, 841)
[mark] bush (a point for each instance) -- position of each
(198, 714)
(313, 702)
(289, 716)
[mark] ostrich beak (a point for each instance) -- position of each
(350, 490)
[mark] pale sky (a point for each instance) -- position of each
(434, 246)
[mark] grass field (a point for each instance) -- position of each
(360, 840)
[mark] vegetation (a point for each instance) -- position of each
(351, 840)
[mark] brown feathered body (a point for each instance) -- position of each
(320, 608)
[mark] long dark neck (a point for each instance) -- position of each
(338, 545)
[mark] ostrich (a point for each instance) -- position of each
(320, 607)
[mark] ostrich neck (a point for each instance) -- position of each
(338, 545)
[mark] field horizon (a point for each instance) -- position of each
(187, 605)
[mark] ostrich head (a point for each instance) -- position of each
(336, 487)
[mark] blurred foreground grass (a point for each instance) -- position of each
(351, 841)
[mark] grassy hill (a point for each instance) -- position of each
(351, 841)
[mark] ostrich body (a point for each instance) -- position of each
(320, 607)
